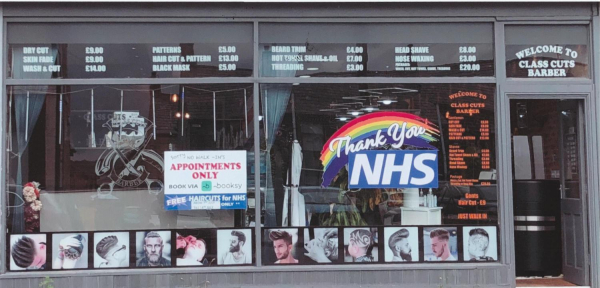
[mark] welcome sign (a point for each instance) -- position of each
(375, 131)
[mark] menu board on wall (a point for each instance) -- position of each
(470, 147)
(170, 60)
(376, 60)
(547, 61)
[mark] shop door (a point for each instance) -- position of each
(549, 187)
(573, 191)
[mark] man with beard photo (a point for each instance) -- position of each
(440, 245)
(400, 246)
(153, 252)
(235, 255)
(282, 245)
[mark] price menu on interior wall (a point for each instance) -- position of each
(376, 60)
(470, 150)
(130, 60)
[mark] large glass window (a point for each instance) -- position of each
(313, 135)
(93, 158)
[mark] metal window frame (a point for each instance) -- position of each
(505, 208)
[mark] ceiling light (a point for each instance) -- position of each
(174, 98)
(355, 112)
(370, 108)
(187, 115)
(178, 115)
(342, 118)
(387, 101)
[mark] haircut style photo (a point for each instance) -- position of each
(111, 250)
(401, 244)
(361, 245)
(28, 252)
(280, 246)
(70, 251)
(440, 243)
(480, 243)
(321, 244)
(195, 248)
(153, 249)
(234, 247)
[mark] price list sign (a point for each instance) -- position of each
(34, 61)
(376, 59)
(132, 60)
(94, 60)
(470, 148)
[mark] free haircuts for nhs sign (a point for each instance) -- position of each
(198, 180)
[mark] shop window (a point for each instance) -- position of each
(376, 50)
(547, 51)
(132, 50)
(346, 178)
(88, 175)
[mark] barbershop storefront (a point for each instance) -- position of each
(300, 145)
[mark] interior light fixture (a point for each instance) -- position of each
(187, 115)
(342, 118)
(355, 112)
(174, 98)
(178, 115)
(387, 101)
(370, 108)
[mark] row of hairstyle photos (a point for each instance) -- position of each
(131, 249)
(397, 244)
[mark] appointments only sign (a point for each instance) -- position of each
(196, 180)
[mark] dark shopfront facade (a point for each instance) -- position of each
(139, 134)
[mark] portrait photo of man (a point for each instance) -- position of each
(440, 244)
(196, 247)
(28, 252)
(402, 244)
(360, 244)
(283, 243)
(153, 249)
(479, 244)
(234, 247)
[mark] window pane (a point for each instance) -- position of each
(96, 173)
(376, 50)
(547, 51)
(132, 50)
(312, 136)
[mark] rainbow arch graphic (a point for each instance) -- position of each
(367, 127)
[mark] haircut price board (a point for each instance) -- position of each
(377, 59)
(136, 60)
(200, 180)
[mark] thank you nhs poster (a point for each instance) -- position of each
(197, 180)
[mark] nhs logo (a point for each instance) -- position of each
(393, 169)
